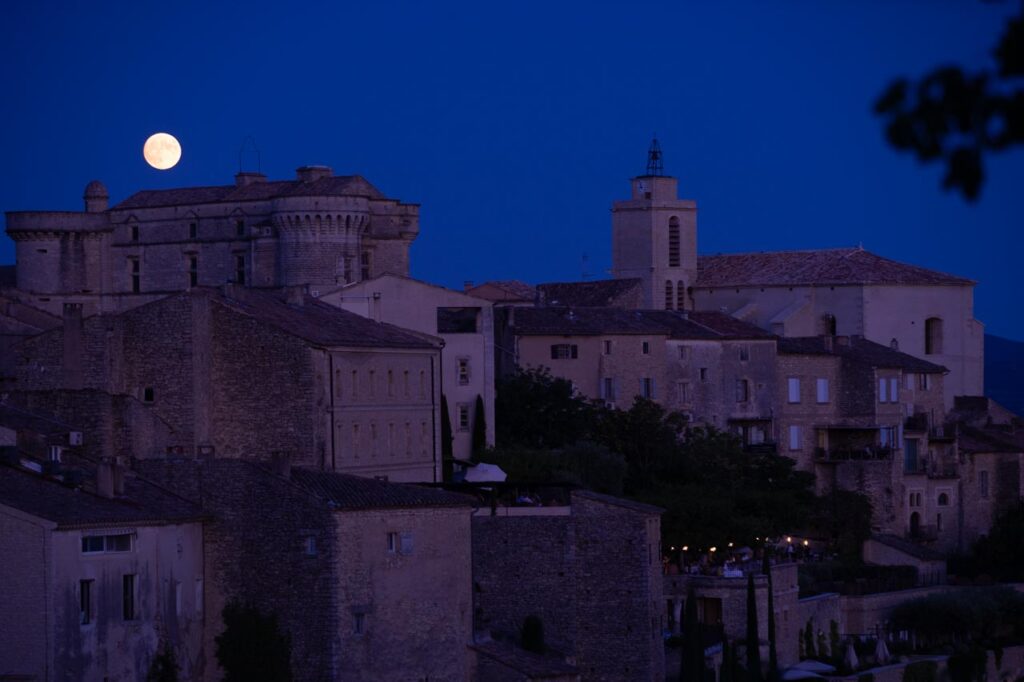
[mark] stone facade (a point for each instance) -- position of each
(466, 326)
(318, 230)
(591, 571)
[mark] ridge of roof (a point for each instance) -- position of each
(858, 349)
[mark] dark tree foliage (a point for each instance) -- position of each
(978, 615)
(479, 442)
(1000, 554)
(164, 667)
(536, 410)
(447, 465)
(727, 673)
(252, 647)
(532, 635)
(844, 517)
(753, 641)
(773, 655)
(809, 649)
(585, 464)
(957, 118)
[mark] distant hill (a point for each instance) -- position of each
(1004, 372)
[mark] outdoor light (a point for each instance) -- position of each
(686, 548)
(789, 539)
(806, 543)
(714, 549)
(730, 544)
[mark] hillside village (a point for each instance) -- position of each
(236, 396)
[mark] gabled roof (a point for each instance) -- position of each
(990, 439)
(340, 185)
(598, 321)
(909, 548)
(320, 323)
(143, 504)
(600, 292)
(510, 290)
(858, 349)
(401, 278)
(17, 419)
(815, 267)
(343, 491)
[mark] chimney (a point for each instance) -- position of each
(73, 346)
(313, 173)
(248, 178)
(375, 305)
(282, 465)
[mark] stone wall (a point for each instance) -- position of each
(26, 618)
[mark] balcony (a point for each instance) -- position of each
(868, 453)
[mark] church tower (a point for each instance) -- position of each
(654, 237)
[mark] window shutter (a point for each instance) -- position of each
(604, 393)
(882, 391)
(653, 389)
(406, 547)
(894, 390)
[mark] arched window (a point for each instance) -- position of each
(680, 295)
(673, 242)
(933, 336)
(943, 500)
(668, 295)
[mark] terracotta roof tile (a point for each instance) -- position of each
(593, 293)
(817, 267)
(858, 349)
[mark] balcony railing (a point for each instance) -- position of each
(869, 453)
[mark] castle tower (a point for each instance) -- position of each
(654, 237)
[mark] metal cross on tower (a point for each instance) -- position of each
(654, 165)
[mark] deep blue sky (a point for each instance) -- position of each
(515, 125)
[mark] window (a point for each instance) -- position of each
(564, 351)
(392, 543)
(364, 265)
(371, 382)
(933, 336)
(794, 389)
(135, 274)
(463, 371)
(463, 416)
(908, 382)
(704, 374)
(239, 269)
(406, 543)
(668, 295)
(742, 390)
(423, 383)
(408, 438)
(647, 388)
(645, 347)
(608, 388)
(355, 383)
(943, 499)
(373, 438)
(148, 394)
(177, 597)
(894, 390)
(135, 233)
(391, 383)
(744, 353)
(607, 347)
(240, 228)
(85, 601)
(405, 382)
(309, 545)
(680, 295)
(883, 390)
(391, 438)
(193, 230)
(683, 389)
(924, 382)
(673, 242)
(355, 440)
(887, 436)
(358, 623)
(910, 455)
(107, 544)
(983, 484)
(684, 353)
(128, 596)
(457, 320)
(193, 271)
(915, 499)
(822, 390)
(794, 437)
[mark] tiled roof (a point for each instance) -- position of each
(618, 502)
(597, 321)
(818, 267)
(17, 419)
(588, 294)
(990, 439)
(142, 504)
(511, 289)
(909, 548)
(343, 491)
(858, 349)
(320, 323)
(341, 185)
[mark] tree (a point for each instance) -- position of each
(163, 667)
(753, 641)
(692, 658)
(773, 656)
(447, 465)
(536, 410)
(809, 648)
(532, 635)
(252, 648)
(727, 673)
(1000, 554)
(479, 442)
(956, 118)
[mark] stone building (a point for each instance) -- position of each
(97, 577)
(797, 293)
(464, 324)
(240, 372)
(589, 567)
(370, 580)
(318, 230)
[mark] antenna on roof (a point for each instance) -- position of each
(248, 148)
(654, 160)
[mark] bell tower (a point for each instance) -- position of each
(654, 237)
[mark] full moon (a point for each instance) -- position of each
(161, 151)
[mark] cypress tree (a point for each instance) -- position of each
(479, 429)
(726, 672)
(447, 466)
(773, 657)
(753, 642)
(692, 658)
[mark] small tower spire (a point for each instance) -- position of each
(654, 163)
